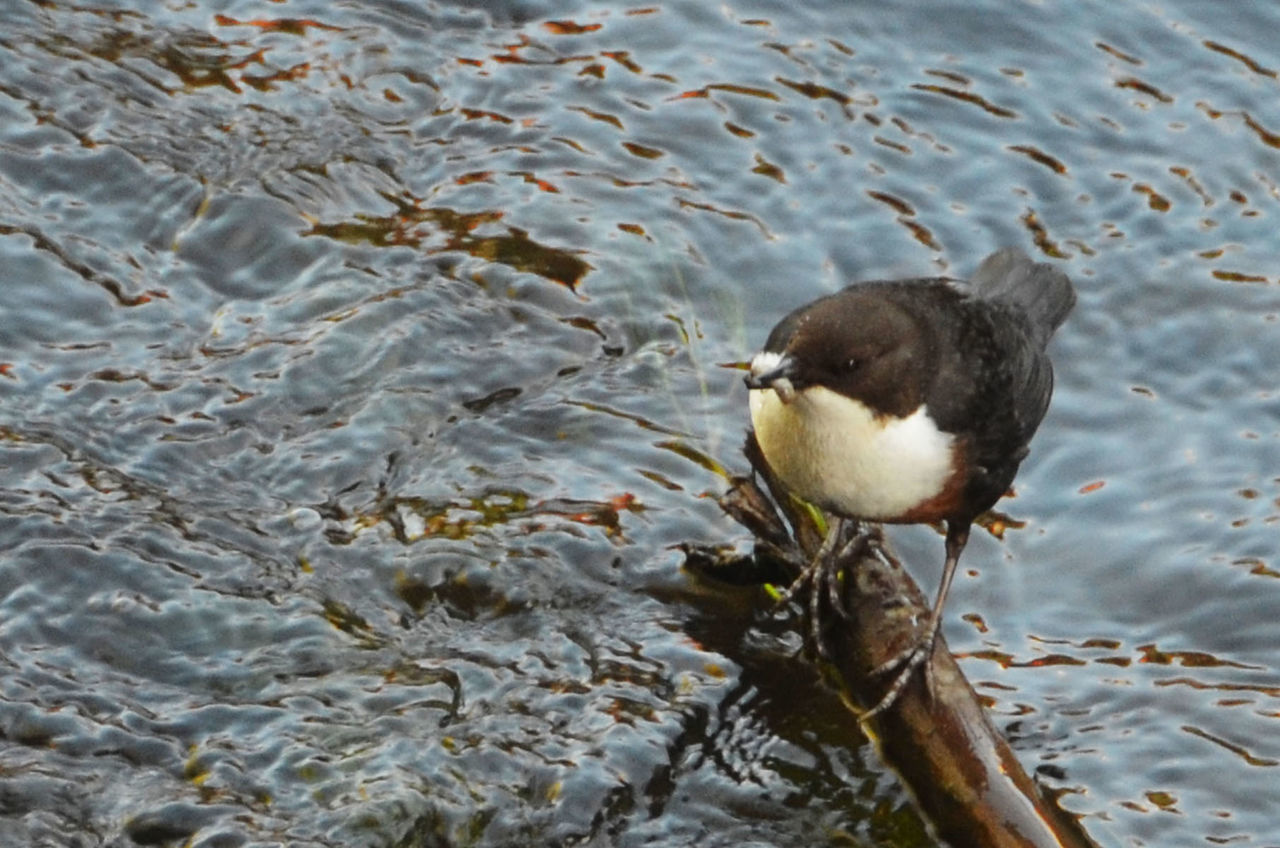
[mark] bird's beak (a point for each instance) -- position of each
(775, 371)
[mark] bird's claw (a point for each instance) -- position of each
(908, 662)
(821, 577)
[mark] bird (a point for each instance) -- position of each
(909, 401)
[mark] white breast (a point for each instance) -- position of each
(833, 451)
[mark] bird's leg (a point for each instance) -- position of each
(811, 570)
(834, 598)
(811, 577)
(920, 653)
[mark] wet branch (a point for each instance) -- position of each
(961, 772)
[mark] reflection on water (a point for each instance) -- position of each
(360, 368)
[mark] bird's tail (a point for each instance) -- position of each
(1040, 291)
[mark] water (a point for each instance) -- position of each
(360, 367)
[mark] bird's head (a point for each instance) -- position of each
(853, 343)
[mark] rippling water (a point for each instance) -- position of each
(360, 367)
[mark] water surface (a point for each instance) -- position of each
(360, 368)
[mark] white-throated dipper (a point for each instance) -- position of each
(910, 401)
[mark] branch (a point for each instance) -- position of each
(961, 772)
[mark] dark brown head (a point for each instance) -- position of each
(857, 342)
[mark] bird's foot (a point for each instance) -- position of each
(822, 577)
(816, 575)
(803, 580)
(921, 653)
(907, 663)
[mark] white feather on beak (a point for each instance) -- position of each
(768, 362)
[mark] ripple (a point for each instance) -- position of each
(359, 382)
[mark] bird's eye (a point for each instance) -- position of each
(851, 364)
